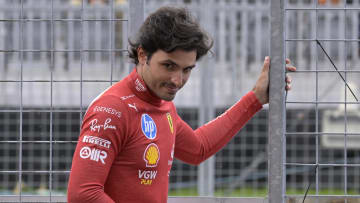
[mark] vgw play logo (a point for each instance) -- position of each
(148, 126)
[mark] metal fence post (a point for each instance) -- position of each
(206, 170)
(276, 156)
(3, 36)
(136, 18)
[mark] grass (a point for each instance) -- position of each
(323, 192)
(242, 192)
(259, 192)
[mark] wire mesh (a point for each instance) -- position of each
(57, 55)
(320, 147)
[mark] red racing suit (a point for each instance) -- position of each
(129, 138)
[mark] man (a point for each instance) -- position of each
(132, 132)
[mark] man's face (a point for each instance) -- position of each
(166, 73)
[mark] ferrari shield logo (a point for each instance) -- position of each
(168, 115)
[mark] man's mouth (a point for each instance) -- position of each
(172, 89)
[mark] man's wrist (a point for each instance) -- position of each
(259, 97)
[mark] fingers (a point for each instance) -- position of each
(289, 68)
(288, 82)
(266, 63)
(288, 87)
(288, 79)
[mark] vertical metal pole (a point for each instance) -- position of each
(206, 170)
(345, 105)
(21, 47)
(112, 41)
(52, 68)
(136, 18)
(81, 61)
(3, 37)
(276, 156)
(317, 159)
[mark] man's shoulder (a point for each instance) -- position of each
(114, 94)
(106, 104)
(111, 101)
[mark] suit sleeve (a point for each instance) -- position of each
(196, 146)
(100, 140)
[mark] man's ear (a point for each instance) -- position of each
(141, 55)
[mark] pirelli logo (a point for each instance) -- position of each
(96, 140)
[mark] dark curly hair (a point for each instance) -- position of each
(168, 29)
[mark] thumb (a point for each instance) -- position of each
(266, 65)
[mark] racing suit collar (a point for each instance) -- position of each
(141, 90)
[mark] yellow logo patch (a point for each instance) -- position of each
(151, 155)
(168, 115)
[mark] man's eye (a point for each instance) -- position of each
(186, 70)
(168, 65)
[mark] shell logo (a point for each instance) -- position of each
(152, 155)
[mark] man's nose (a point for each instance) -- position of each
(177, 78)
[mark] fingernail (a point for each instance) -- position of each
(266, 58)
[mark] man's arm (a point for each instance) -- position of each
(99, 142)
(196, 146)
